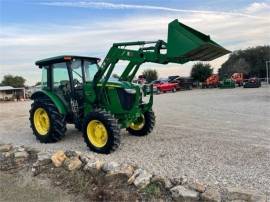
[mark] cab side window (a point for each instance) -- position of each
(60, 75)
(90, 70)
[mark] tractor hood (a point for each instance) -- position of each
(188, 44)
(114, 83)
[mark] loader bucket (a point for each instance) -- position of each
(190, 45)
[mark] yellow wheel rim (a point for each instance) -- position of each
(97, 133)
(138, 124)
(41, 121)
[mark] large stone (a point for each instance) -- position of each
(179, 180)
(238, 194)
(73, 163)
(180, 193)
(111, 167)
(197, 186)
(168, 183)
(211, 195)
(93, 166)
(143, 179)
(127, 169)
(71, 154)
(43, 159)
(5, 147)
(85, 158)
(21, 154)
(135, 174)
(58, 158)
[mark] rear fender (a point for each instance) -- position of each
(56, 100)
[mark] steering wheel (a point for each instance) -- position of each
(76, 83)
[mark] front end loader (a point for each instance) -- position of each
(79, 91)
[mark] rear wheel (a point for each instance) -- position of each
(47, 123)
(101, 132)
(143, 125)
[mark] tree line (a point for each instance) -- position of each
(251, 62)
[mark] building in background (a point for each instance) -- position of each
(10, 93)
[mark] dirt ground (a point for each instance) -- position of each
(23, 187)
(218, 136)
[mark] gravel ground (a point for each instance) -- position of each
(217, 136)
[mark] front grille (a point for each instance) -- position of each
(126, 99)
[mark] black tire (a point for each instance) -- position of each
(150, 120)
(112, 127)
(78, 126)
(173, 90)
(57, 121)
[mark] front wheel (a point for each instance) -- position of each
(101, 132)
(143, 125)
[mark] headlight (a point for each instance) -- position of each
(130, 91)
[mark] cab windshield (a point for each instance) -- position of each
(90, 69)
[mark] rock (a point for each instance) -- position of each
(180, 193)
(111, 167)
(179, 180)
(237, 194)
(158, 180)
(8, 154)
(143, 179)
(211, 195)
(126, 169)
(168, 183)
(73, 163)
(58, 158)
(85, 158)
(71, 154)
(5, 147)
(93, 166)
(135, 174)
(20, 148)
(197, 186)
(43, 159)
(21, 154)
(99, 164)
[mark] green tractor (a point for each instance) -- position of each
(77, 90)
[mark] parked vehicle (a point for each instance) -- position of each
(211, 82)
(147, 89)
(252, 83)
(238, 78)
(227, 83)
(182, 83)
(164, 86)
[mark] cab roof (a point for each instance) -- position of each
(63, 58)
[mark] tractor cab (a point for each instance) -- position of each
(65, 74)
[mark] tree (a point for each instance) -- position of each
(200, 71)
(250, 61)
(150, 75)
(14, 81)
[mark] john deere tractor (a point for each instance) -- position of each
(77, 90)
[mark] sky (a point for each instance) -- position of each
(35, 29)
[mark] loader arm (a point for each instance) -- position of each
(184, 44)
